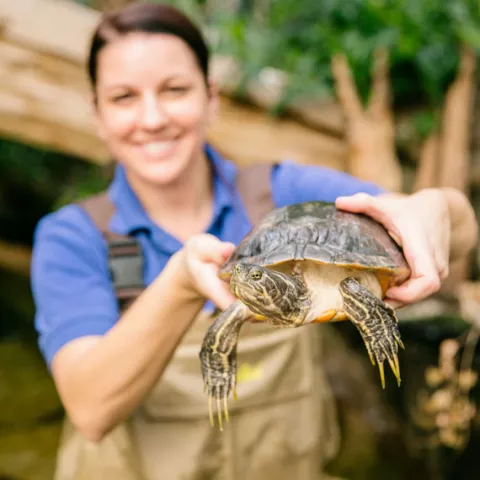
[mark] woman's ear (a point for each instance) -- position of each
(213, 101)
(97, 121)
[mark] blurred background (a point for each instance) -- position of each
(387, 90)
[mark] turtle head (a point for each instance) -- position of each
(275, 295)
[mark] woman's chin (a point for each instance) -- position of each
(160, 174)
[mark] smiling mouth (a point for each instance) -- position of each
(159, 148)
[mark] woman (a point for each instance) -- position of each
(153, 102)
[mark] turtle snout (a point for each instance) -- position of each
(237, 280)
(239, 272)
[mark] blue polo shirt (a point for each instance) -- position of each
(70, 278)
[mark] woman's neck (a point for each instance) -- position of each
(183, 208)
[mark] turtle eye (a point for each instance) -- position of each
(256, 275)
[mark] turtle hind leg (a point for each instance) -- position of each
(377, 323)
(218, 357)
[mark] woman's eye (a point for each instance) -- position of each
(177, 88)
(122, 98)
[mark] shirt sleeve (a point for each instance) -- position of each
(71, 285)
(295, 183)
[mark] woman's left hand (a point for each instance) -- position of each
(420, 224)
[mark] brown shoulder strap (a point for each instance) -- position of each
(125, 256)
(254, 186)
(100, 209)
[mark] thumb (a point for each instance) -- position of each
(226, 250)
(220, 295)
(209, 248)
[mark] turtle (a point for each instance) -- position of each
(303, 264)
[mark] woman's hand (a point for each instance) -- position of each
(201, 259)
(421, 225)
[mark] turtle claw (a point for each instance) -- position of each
(394, 365)
(382, 373)
(384, 348)
(219, 412)
(220, 396)
(210, 410)
(392, 361)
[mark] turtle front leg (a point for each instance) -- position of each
(377, 323)
(218, 357)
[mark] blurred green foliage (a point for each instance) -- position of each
(35, 181)
(423, 38)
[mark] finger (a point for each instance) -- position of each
(441, 263)
(443, 272)
(368, 205)
(415, 289)
(395, 304)
(424, 279)
(441, 251)
(216, 290)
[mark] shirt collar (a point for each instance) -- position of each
(130, 215)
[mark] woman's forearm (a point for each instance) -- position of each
(105, 380)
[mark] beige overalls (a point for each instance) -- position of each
(283, 425)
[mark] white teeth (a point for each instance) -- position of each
(158, 148)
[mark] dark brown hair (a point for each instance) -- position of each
(148, 18)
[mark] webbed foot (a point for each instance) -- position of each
(218, 357)
(377, 323)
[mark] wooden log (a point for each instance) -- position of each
(456, 125)
(247, 135)
(108, 5)
(15, 258)
(428, 168)
(30, 23)
(44, 100)
(43, 85)
(370, 131)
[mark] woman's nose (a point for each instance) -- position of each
(153, 114)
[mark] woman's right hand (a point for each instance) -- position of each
(201, 259)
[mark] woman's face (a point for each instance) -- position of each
(153, 106)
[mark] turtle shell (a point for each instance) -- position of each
(318, 232)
